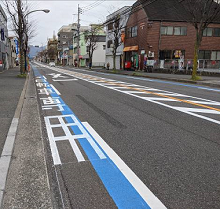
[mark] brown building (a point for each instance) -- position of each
(52, 49)
(158, 32)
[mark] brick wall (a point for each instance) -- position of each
(149, 37)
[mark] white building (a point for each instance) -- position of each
(98, 59)
(124, 15)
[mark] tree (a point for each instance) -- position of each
(91, 39)
(18, 11)
(52, 52)
(114, 35)
(201, 14)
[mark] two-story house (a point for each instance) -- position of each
(160, 31)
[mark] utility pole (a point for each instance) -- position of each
(78, 32)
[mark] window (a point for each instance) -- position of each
(134, 31)
(217, 32)
(183, 31)
(128, 32)
(64, 36)
(163, 30)
(64, 42)
(110, 26)
(169, 30)
(109, 43)
(177, 31)
(215, 55)
(204, 55)
(87, 49)
(207, 32)
(165, 54)
(104, 47)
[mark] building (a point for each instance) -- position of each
(14, 51)
(98, 59)
(158, 33)
(65, 43)
(82, 46)
(52, 49)
(4, 41)
(123, 14)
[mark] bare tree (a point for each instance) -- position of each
(52, 53)
(114, 35)
(91, 39)
(18, 10)
(202, 14)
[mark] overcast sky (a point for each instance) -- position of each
(63, 13)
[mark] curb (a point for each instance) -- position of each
(6, 155)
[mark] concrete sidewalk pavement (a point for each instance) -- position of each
(25, 183)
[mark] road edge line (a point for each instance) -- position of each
(5, 159)
(139, 186)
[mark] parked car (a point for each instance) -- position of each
(52, 64)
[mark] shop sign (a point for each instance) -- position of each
(142, 51)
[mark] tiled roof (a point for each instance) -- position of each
(168, 10)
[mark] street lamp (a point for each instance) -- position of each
(37, 10)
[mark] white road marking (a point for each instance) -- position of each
(57, 92)
(68, 136)
(86, 77)
(140, 187)
(66, 80)
(197, 110)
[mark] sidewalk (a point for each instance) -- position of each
(205, 80)
(212, 81)
(25, 184)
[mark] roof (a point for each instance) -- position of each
(169, 10)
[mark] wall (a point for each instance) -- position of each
(99, 55)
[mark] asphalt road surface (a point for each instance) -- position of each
(121, 142)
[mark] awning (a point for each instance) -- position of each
(130, 48)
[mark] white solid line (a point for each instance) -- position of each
(58, 93)
(66, 80)
(140, 187)
(53, 147)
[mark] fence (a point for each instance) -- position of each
(187, 65)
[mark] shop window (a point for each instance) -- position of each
(134, 31)
(215, 55)
(217, 32)
(165, 54)
(208, 32)
(204, 55)
(178, 54)
(104, 47)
